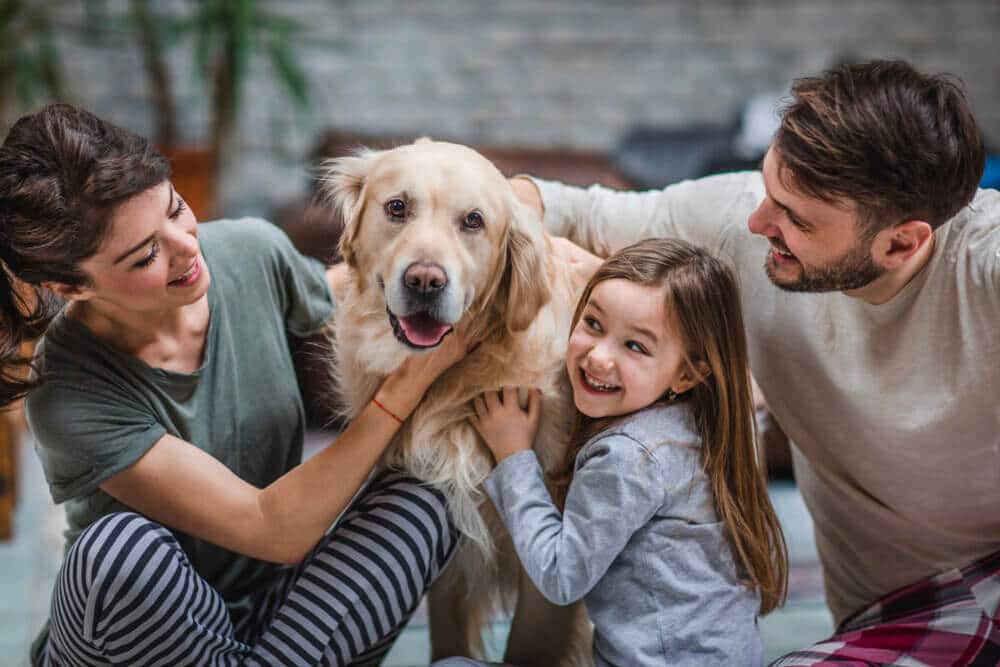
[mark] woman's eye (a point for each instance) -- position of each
(395, 209)
(154, 251)
(473, 221)
(180, 209)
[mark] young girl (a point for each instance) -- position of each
(666, 530)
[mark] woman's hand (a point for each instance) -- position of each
(404, 387)
(503, 424)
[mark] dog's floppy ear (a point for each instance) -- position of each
(343, 183)
(527, 281)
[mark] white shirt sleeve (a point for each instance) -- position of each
(604, 220)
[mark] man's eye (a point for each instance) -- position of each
(395, 209)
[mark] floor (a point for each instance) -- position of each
(29, 563)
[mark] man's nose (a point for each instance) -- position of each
(761, 221)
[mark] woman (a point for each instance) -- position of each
(167, 418)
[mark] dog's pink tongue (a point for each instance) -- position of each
(423, 330)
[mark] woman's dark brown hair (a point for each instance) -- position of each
(703, 309)
(63, 173)
(899, 144)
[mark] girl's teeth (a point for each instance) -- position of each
(598, 385)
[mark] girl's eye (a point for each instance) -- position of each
(180, 209)
(395, 209)
(592, 323)
(473, 221)
(154, 251)
(636, 347)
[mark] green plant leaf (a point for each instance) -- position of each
(289, 73)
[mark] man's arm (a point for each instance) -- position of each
(603, 220)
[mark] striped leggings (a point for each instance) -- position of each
(127, 594)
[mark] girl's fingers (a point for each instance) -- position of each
(479, 406)
(510, 397)
(492, 400)
(534, 405)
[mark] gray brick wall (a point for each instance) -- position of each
(558, 73)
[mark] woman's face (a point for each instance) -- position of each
(150, 260)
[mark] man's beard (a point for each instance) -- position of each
(853, 270)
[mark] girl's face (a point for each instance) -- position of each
(622, 355)
(150, 260)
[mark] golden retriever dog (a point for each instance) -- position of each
(436, 240)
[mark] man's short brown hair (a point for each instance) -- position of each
(899, 144)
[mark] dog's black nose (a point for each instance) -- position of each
(425, 278)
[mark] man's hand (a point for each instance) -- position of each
(503, 424)
(527, 192)
(579, 259)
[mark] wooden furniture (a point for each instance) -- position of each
(9, 431)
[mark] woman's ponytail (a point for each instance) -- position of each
(25, 313)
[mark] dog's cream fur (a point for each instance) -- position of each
(509, 286)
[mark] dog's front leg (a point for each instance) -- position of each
(543, 634)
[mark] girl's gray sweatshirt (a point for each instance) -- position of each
(639, 540)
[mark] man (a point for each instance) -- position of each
(873, 335)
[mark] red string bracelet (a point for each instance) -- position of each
(386, 410)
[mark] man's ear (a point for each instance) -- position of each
(691, 377)
(343, 184)
(897, 244)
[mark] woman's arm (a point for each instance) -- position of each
(186, 489)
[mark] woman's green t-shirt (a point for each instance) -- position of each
(100, 410)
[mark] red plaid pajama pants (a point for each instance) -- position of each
(952, 618)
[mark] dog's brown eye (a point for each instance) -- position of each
(396, 209)
(473, 221)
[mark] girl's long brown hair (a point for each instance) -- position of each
(703, 309)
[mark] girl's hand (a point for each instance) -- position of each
(405, 386)
(503, 424)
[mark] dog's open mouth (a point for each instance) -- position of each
(418, 330)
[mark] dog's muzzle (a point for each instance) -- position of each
(424, 292)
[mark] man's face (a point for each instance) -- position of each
(815, 246)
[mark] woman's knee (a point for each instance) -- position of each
(408, 515)
(108, 546)
(419, 508)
